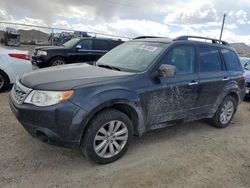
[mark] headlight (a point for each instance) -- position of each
(47, 98)
(39, 52)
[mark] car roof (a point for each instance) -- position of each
(101, 38)
(184, 39)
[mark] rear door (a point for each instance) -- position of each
(212, 75)
(234, 68)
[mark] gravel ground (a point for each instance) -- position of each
(191, 155)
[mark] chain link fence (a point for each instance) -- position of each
(27, 37)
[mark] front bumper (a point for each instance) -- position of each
(40, 61)
(59, 125)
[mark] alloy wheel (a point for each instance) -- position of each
(58, 62)
(227, 112)
(110, 139)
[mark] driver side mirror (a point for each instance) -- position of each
(78, 47)
(167, 71)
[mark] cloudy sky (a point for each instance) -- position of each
(133, 18)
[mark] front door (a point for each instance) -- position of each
(83, 54)
(174, 98)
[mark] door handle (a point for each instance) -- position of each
(225, 79)
(193, 83)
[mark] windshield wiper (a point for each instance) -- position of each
(109, 67)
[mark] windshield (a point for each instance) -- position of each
(132, 56)
(71, 43)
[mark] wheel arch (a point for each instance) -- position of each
(129, 108)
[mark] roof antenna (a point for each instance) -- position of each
(222, 27)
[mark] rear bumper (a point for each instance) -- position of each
(59, 125)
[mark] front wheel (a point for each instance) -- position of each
(4, 81)
(107, 137)
(57, 61)
(225, 112)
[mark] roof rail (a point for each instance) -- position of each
(214, 41)
(144, 37)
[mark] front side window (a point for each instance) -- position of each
(231, 60)
(71, 43)
(86, 45)
(183, 58)
(210, 60)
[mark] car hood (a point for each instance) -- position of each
(69, 76)
(46, 48)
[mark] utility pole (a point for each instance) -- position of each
(222, 27)
(52, 36)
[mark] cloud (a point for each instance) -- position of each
(133, 18)
(194, 13)
(5, 16)
(241, 17)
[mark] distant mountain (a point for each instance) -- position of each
(242, 49)
(26, 35)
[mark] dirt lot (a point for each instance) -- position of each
(191, 155)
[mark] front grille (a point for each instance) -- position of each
(19, 92)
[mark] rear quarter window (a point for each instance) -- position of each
(231, 60)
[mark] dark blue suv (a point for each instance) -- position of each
(141, 85)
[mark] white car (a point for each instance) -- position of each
(13, 64)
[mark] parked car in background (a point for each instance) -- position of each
(246, 64)
(13, 64)
(141, 85)
(87, 49)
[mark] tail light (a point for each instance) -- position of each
(20, 56)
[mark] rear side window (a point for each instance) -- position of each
(231, 60)
(210, 60)
(101, 45)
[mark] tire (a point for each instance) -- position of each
(223, 119)
(4, 81)
(57, 61)
(104, 149)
